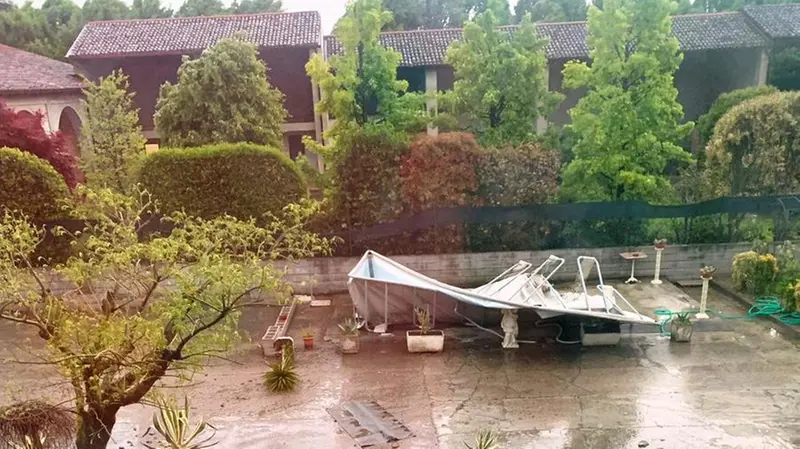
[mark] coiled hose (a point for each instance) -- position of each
(764, 305)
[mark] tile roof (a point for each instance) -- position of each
(177, 35)
(23, 72)
(568, 39)
(716, 31)
(777, 21)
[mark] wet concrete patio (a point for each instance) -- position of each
(736, 385)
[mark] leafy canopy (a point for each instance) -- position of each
(417, 14)
(723, 103)
(222, 96)
(501, 82)
(48, 31)
(551, 10)
(111, 139)
(142, 308)
(360, 84)
(627, 125)
(755, 149)
(23, 130)
(191, 8)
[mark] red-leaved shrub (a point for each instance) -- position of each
(24, 131)
(440, 171)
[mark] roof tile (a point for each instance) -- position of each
(23, 72)
(177, 35)
(716, 31)
(777, 21)
(568, 39)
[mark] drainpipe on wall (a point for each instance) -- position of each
(763, 67)
(431, 89)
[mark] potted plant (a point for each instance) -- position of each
(660, 243)
(350, 343)
(681, 328)
(424, 339)
(707, 271)
(308, 338)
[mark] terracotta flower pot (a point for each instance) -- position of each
(308, 343)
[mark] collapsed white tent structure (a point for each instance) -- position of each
(385, 292)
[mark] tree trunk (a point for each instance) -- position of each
(94, 427)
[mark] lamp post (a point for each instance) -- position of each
(659, 245)
(706, 273)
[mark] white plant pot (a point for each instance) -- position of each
(433, 341)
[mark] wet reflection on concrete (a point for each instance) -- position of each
(736, 388)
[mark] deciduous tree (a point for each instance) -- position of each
(48, 31)
(255, 6)
(755, 149)
(222, 96)
(360, 84)
(431, 14)
(111, 139)
(551, 10)
(23, 130)
(627, 125)
(149, 9)
(500, 8)
(501, 84)
(192, 8)
(104, 10)
(723, 103)
(167, 304)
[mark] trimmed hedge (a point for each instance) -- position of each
(30, 185)
(239, 179)
(755, 149)
(723, 104)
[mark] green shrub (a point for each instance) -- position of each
(755, 273)
(515, 176)
(30, 185)
(241, 179)
(364, 187)
(440, 171)
(754, 149)
(723, 103)
(790, 296)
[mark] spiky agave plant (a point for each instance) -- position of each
(281, 376)
(485, 440)
(35, 425)
(172, 423)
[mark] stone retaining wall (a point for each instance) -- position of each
(678, 262)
